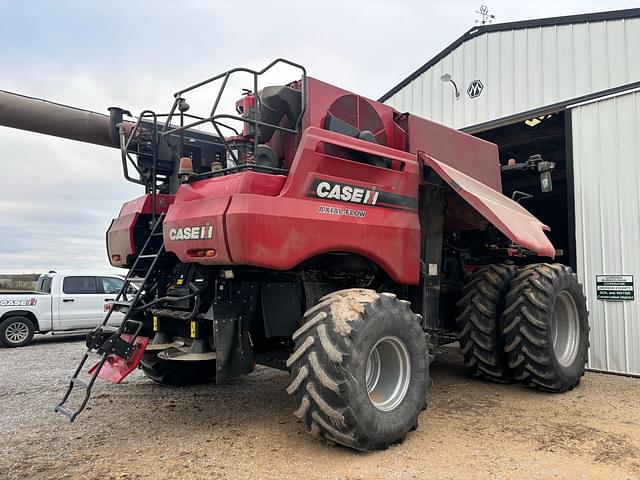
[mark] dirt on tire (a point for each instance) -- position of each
(328, 369)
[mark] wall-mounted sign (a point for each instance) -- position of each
(475, 89)
(614, 287)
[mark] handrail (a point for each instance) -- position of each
(151, 184)
(214, 118)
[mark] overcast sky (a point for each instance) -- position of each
(57, 197)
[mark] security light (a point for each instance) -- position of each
(446, 77)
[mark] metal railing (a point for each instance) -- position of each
(151, 184)
(214, 118)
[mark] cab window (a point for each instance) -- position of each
(44, 285)
(80, 285)
(111, 285)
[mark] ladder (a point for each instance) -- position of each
(104, 340)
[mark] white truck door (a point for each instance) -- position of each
(111, 286)
(80, 305)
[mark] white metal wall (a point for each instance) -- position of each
(524, 69)
(606, 156)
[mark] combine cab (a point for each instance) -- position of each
(339, 239)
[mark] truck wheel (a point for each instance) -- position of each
(479, 331)
(16, 332)
(546, 327)
(177, 373)
(360, 369)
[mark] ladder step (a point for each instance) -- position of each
(121, 303)
(81, 381)
(104, 340)
(157, 234)
(67, 412)
(109, 329)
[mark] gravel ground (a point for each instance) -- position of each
(472, 429)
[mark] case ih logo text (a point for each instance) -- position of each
(475, 89)
(32, 302)
(342, 192)
(197, 232)
(346, 193)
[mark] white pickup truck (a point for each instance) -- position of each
(61, 303)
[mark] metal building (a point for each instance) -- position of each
(567, 89)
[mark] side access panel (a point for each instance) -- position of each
(121, 235)
(195, 227)
(514, 221)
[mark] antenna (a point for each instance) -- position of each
(486, 16)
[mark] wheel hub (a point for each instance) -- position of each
(565, 328)
(17, 332)
(388, 373)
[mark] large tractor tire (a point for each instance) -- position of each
(360, 369)
(16, 332)
(479, 330)
(546, 328)
(177, 373)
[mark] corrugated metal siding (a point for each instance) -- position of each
(606, 156)
(525, 69)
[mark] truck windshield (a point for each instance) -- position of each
(44, 285)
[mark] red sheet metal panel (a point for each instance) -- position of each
(116, 369)
(278, 222)
(466, 153)
(120, 241)
(509, 217)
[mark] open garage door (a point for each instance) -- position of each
(530, 144)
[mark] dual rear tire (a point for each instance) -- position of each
(528, 325)
(479, 330)
(545, 328)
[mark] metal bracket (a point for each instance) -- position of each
(108, 341)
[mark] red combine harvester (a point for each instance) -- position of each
(334, 237)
